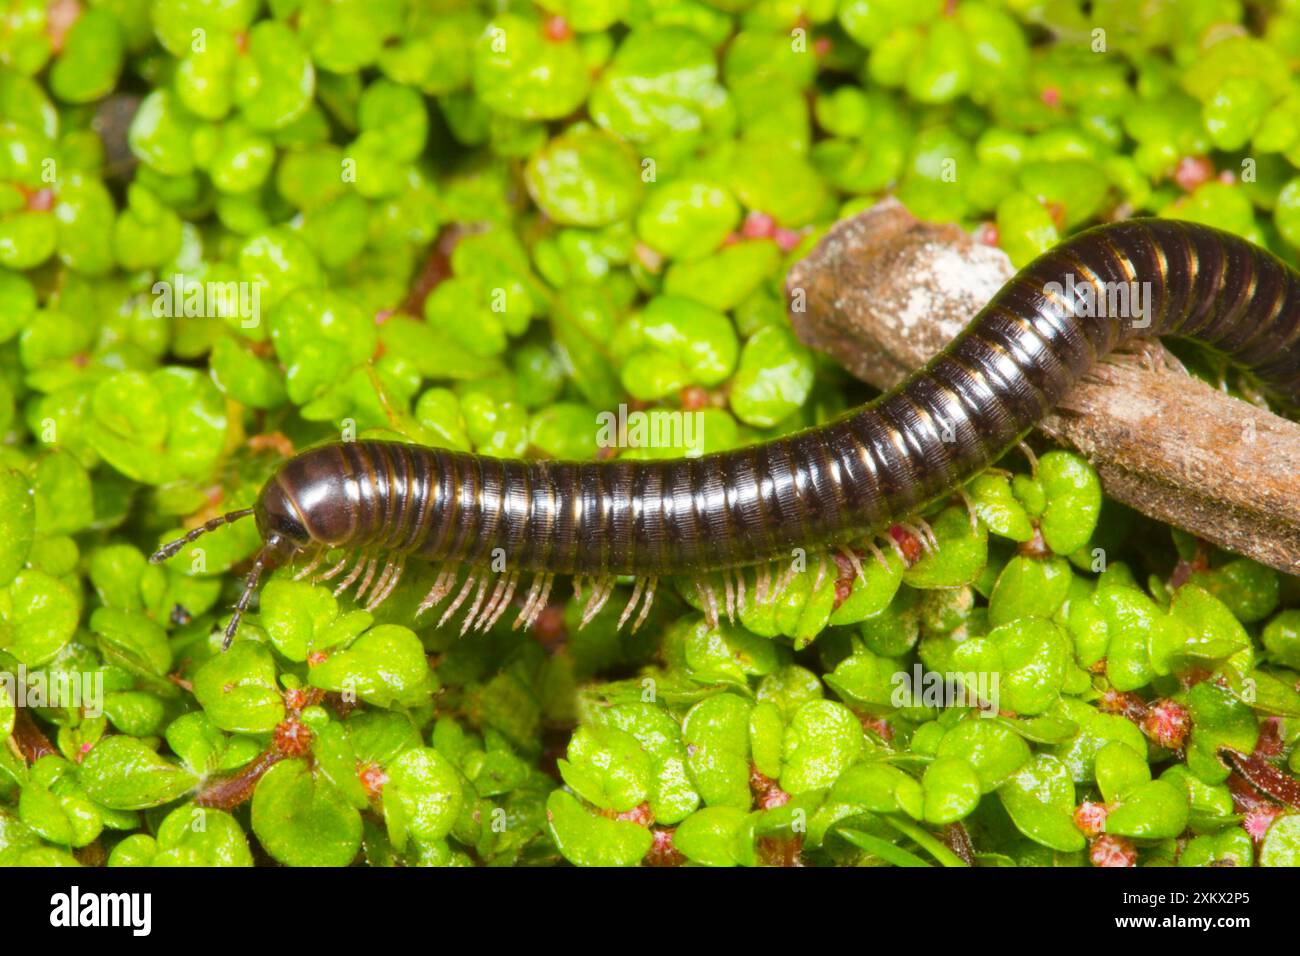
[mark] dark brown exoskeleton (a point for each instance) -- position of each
(835, 486)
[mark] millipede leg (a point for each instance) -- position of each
(543, 598)
(533, 608)
(473, 608)
(880, 555)
(1149, 353)
(740, 590)
(637, 588)
(898, 549)
(970, 509)
(710, 602)
(493, 598)
(460, 599)
(821, 572)
(852, 557)
(783, 580)
(534, 589)
(915, 532)
(352, 575)
(384, 574)
(495, 610)
(600, 592)
(929, 535)
(730, 596)
(505, 601)
(763, 584)
(1030, 456)
(927, 542)
(442, 586)
(393, 574)
(334, 571)
(371, 565)
(1171, 362)
(311, 565)
(646, 601)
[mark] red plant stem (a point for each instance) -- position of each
(92, 854)
(1266, 778)
(31, 741)
(1245, 797)
(436, 268)
(958, 840)
(292, 738)
(1126, 704)
(228, 791)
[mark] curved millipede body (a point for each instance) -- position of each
(832, 485)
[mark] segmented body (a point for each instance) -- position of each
(831, 485)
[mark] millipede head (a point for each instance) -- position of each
(312, 500)
(277, 549)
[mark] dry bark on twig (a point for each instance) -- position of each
(883, 292)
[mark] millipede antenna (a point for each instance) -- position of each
(250, 585)
(172, 547)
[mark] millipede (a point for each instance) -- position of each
(838, 486)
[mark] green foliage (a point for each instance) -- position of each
(257, 252)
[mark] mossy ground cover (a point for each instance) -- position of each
(226, 233)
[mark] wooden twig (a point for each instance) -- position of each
(883, 292)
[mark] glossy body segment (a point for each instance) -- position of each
(839, 482)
